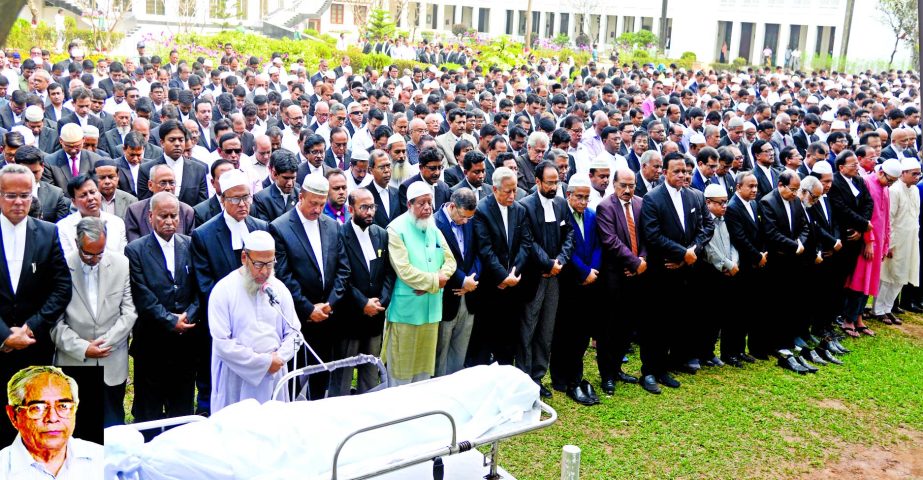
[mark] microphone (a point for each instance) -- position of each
(273, 300)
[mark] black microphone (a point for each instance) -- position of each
(273, 300)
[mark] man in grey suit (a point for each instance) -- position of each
(71, 160)
(114, 201)
(96, 324)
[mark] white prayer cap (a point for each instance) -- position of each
(34, 113)
(89, 131)
(908, 163)
(599, 163)
(697, 139)
(892, 167)
(812, 100)
(785, 96)
(418, 189)
(432, 68)
(71, 132)
(579, 180)
(742, 107)
(749, 127)
(838, 125)
(27, 137)
(315, 184)
(273, 70)
(396, 138)
(828, 116)
(329, 74)
(713, 190)
(668, 82)
(829, 85)
(259, 91)
(259, 241)
(277, 61)
(121, 108)
(360, 154)
(232, 178)
(822, 167)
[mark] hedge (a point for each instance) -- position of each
(24, 36)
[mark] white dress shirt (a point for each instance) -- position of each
(548, 207)
(83, 460)
(677, 198)
(169, 254)
(312, 230)
(91, 278)
(238, 231)
(177, 166)
(504, 214)
(365, 242)
(115, 232)
(747, 206)
(385, 198)
(852, 187)
(14, 247)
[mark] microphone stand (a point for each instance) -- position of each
(299, 339)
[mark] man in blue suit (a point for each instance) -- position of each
(676, 229)
(460, 295)
(706, 166)
(216, 249)
(312, 263)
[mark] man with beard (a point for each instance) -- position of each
(423, 264)
(402, 169)
(253, 324)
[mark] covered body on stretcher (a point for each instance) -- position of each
(279, 440)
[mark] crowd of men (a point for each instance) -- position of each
(212, 222)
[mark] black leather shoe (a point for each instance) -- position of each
(649, 383)
(829, 357)
(812, 356)
(733, 361)
(756, 356)
(589, 390)
(789, 363)
(544, 392)
(799, 342)
(626, 378)
(577, 394)
(829, 345)
(840, 347)
(915, 308)
(747, 358)
(558, 387)
(667, 381)
(713, 362)
(804, 363)
(689, 367)
(608, 386)
(897, 310)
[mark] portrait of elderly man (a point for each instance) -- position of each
(423, 263)
(251, 339)
(43, 409)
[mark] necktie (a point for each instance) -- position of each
(75, 165)
(632, 235)
(340, 163)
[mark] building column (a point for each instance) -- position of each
(618, 25)
(837, 42)
(809, 43)
(601, 35)
(440, 16)
(784, 33)
(638, 22)
(734, 46)
(759, 43)
(541, 25)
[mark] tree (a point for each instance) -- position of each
(380, 26)
(901, 17)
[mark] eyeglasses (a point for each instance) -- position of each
(315, 152)
(233, 150)
(166, 183)
(339, 145)
(238, 200)
(629, 186)
(433, 168)
(12, 197)
(261, 265)
(36, 411)
(88, 255)
(366, 208)
(720, 203)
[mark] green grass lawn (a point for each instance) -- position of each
(758, 422)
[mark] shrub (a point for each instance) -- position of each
(688, 56)
(582, 39)
(562, 40)
(459, 29)
(739, 62)
(641, 56)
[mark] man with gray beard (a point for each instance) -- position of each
(254, 328)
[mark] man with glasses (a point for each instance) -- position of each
(766, 175)
(44, 399)
(457, 119)
(720, 275)
(84, 191)
(706, 168)
(137, 223)
(71, 160)
(281, 195)
(251, 339)
(431, 165)
(190, 173)
(312, 153)
(216, 252)
(387, 201)
(94, 332)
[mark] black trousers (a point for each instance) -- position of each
(745, 314)
(202, 346)
(320, 336)
(579, 312)
(663, 337)
(114, 404)
(496, 327)
(615, 327)
(162, 389)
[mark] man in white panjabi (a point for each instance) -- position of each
(902, 264)
(251, 341)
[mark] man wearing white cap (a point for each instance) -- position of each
(423, 264)
(71, 160)
(358, 174)
(46, 139)
(902, 262)
(313, 265)
(216, 252)
(401, 168)
(113, 139)
(723, 266)
(253, 325)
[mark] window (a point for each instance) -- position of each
(216, 8)
(565, 24)
(154, 7)
(521, 30)
(509, 22)
(484, 20)
(336, 13)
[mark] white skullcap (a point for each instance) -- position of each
(433, 69)
(315, 184)
(90, 131)
(277, 60)
(27, 137)
(785, 96)
(838, 125)
(598, 163)
(908, 163)
(71, 132)
(396, 138)
(259, 241)
(360, 154)
(121, 108)
(209, 63)
(828, 116)
(418, 189)
(34, 113)
(579, 180)
(697, 139)
(812, 100)
(822, 167)
(829, 85)
(892, 167)
(273, 70)
(742, 106)
(667, 82)
(232, 178)
(713, 190)
(749, 126)
(330, 75)
(259, 91)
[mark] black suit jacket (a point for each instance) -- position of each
(634, 163)
(47, 140)
(42, 295)
(269, 205)
(212, 255)
(70, 117)
(160, 297)
(206, 210)
(483, 191)
(781, 238)
(850, 212)
(498, 250)
(7, 122)
(465, 265)
(664, 235)
(824, 230)
(55, 204)
(298, 269)
(765, 186)
(452, 176)
(58, 170)
(331, 160)
(137, 224)
(888, 152)
(395, 207)
(801, 141)
(111, 142)
(640, 187)
(126, 183)
(194, 188)
(443, 192)
(745, 232)
(106, 84)
(549, 242)
(367, 280)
